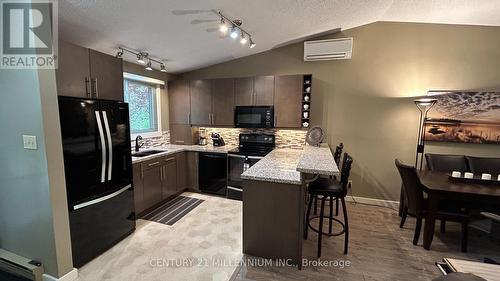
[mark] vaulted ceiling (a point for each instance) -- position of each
(184, 32)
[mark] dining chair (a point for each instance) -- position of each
(416, 204)
(328, 188)
(446, 163)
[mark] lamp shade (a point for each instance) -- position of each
(424, 104)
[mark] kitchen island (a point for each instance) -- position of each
(271, 229)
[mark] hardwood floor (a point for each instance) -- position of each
(378, 250)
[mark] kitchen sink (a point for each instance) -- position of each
(147, 153)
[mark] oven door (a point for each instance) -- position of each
(237, 164)
(254, 117)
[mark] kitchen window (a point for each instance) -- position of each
(143, 96)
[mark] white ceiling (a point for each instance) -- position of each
(168, 29)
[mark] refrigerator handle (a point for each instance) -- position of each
(101, 199)
(110, 144)
(87, 92)
(103, 146)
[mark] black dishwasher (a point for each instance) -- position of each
(212, 173)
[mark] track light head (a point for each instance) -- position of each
(162, 68)
(243, 39)
(119, 54)
(140, 58)
(223, 26)
(148, 66)
(234, 32)
(252, 44)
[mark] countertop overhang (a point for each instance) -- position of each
(287, 165)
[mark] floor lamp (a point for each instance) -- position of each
(423, 105)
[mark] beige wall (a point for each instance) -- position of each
(139, 70)
(366, 102)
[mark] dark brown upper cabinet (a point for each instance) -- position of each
(258, 90)
(243, 91)
(263, 90)
(107, 75)
(201, 102)
(88, 74)
(223, 102)
(73, 71)
(288, 101)
(179, 102)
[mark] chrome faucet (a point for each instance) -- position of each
(137, 145)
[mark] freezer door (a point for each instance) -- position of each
(117, 133)
(82, 149)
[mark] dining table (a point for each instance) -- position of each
(439, 186)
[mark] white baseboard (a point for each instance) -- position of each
(376, 202)
(70, 276)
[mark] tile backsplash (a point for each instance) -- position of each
(284, 138)
(155, 141)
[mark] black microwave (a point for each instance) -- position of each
(254, 117)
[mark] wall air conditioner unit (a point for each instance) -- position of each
(331, 49)
(15, 267)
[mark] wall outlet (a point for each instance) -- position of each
(349, 184)
(29, 142)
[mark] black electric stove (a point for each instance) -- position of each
(251, 148)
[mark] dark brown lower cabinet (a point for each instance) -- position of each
(138, 189)
(152, 182)
(169, 177)
(192, 170)
(159, 179)
(181, 159)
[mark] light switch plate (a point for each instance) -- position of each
(29, 142)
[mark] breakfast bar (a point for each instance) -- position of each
(274, 192)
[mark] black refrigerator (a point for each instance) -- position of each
(98, 169)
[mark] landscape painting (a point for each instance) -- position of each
(467, 117)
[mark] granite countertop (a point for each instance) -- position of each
(174, 148)
(318, 160)
(286, 165)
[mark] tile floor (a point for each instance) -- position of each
(210, 234)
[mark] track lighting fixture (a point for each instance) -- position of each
(234, 32)
(142, 57)
(234, 28)
(252, 44)
(223, 26)
(148, 66)
(243, 39)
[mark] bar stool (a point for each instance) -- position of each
(336, 157)
(328, 188)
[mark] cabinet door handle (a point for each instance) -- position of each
(209, 119)
(178, 141)
(95, 88)
(153, 164)
(161, 174)
(87, 92)
(169, 159)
